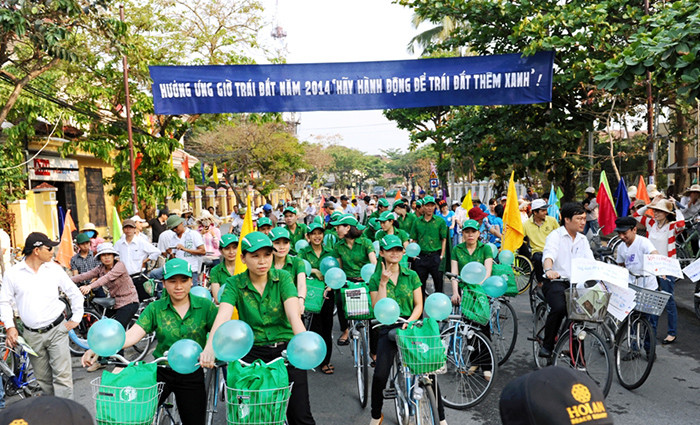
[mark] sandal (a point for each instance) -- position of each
(344, 341)
(669, 341)
(327, 370)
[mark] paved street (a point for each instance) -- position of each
(669, 396)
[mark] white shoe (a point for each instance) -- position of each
(377, 421)
(487, 375)
(443, 422)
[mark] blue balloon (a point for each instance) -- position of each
(438, 306)
(328, 263)
(367, 271)
(301, 244)
(306, 350)
(221, 292)
(506, 257)
(494, 249)
(495, 286)
(387, 311)
(329, 240)
(106, 337)
(413, 250)
(232, 341)
(375, 244)
(201, 291)
(335, 278)
(183, 356)
(473, 273)
(307, 267)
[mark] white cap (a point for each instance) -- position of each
(590, 189)
(538, 204)
(138, 219)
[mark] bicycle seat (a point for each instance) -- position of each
(392, 335)
(106, 302)
(603, 250)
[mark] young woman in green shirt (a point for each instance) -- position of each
(283, 261)
(173, 318)
(386, 221)
(225, 269)
(268, 301)
(264, 225)
(321, 323)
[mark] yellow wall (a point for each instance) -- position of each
(81, 192)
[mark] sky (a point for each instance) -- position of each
(321, 31)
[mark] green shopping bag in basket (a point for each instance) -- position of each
(421, 347)
(475, 304)
(127, 397)
(257, 394)
(314, 295)
(356, 301)
(507, 272)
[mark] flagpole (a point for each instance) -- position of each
(127, 105)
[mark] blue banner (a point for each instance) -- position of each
(476, 80)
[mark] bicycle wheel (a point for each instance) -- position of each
(426, 409)
(697, 299)
(211, 383)
(167, 413)
(635, 351)
(585, 351)
(399, 386)
(523, 269)
(536, 295)
(139, 350)
(90, 317)
(504, 329)
(362, 366)
(539, 320)
(471, 368)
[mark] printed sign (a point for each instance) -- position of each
(693, 270)
(661, 265)
(583, 270)
(434, 183)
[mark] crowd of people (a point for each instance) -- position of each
(270, 295)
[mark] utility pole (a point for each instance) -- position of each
(651, 168)
(127, 105)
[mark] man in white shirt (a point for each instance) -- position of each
(310, 213)
(188, 245)
(631, 253)
(561, 247)
(346, 207)
(33, 286)
(134, 251)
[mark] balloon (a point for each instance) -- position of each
(329, 240)
(438, 306)
(367, 271)
(495, 286)
(301, 244)
(183, 356)
(232, 341)
(106, 337)
(413, 249)
(375, 244)
(201, 291)
(494, 249)
(307, 267)
(387, 311)
(306, 350)
(221, 292)
(328, 263)
(506, 257)
(473, 273)
(335, 278)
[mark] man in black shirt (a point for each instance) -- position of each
(158, 224)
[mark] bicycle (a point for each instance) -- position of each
(16, 371)
(360, 354)
(578, 346)
(524, 273)
(215, 384)
(688, 242)
(635, 341)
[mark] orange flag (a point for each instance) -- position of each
(65, 247)
(643, 195)
(398, 195)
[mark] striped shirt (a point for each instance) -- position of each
(663, 238)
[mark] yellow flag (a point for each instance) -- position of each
(514, 234)
(467, 203)
(116, 226)
(215, 172)
(245, 229)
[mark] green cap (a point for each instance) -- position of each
(386, 216)
(176, 266)
(279, 233)
(313, 226)
(374, 223)
(82, 238)
(398, 203)
(227, 239)
(264, 221)
(428, 200)
(254, 241)
(419, 203)
(318, 220)
(336, 215)
(174, 221)
(290, 209)
(470, 224)
(348, 219)
(390, 241)
(383, 202)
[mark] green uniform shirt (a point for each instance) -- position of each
(462, 255)
(160, 316)
(401, 291)
(293, 266)
(219, 273)
(429, 234)
(309, 255)
(403, 235)
(264, 313)
(353, 259)
(407, 222)
(295, 236)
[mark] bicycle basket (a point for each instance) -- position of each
(257, 407)
(314, 295)
(356, 301)
(150, 287)
(475, 304)
(649, 301)
(587, 305)
(421, 348)
(125, 405)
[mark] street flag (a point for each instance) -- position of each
(204, 176)
(116, 226)
(644, 195)
(514, 234)
(622, 199)
(215, 173)
(245, 229)
(553, 210)
(467, 203)
(560, 196)
(65, 248)
(186, 167)
(606, 208)
(398, 195)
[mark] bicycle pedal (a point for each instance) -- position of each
(389, 393)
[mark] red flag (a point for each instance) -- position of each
(322, 211)
(606, 208)
(137, 161)
(65, 247)
(186, 167)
